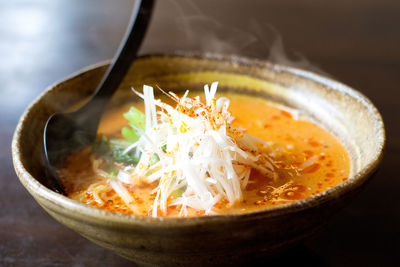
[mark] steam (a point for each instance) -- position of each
(189, 29)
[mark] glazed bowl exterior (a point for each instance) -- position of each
(221, 239)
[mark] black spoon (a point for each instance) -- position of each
(66, 132)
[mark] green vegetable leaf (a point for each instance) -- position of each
(130, 134)
(136, 118)
(118, 156)
(112, 150)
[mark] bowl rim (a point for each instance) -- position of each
(38, 190)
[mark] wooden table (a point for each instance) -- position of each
(356, 42)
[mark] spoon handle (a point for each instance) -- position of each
(126, 54)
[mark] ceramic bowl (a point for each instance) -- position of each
(223, 239)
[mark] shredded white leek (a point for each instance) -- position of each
(124, 194)
(202, 158)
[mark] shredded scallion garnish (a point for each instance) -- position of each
(192, 150)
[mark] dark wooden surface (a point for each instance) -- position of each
(356, 42)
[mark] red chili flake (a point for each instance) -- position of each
(308, 154)
(313, 143)
(275, 117)
(286, 114)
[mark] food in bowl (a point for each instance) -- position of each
(226, 155)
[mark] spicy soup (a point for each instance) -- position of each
(308, 160)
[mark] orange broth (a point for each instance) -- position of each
(309, 161)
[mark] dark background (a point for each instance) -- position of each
(356, 42)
